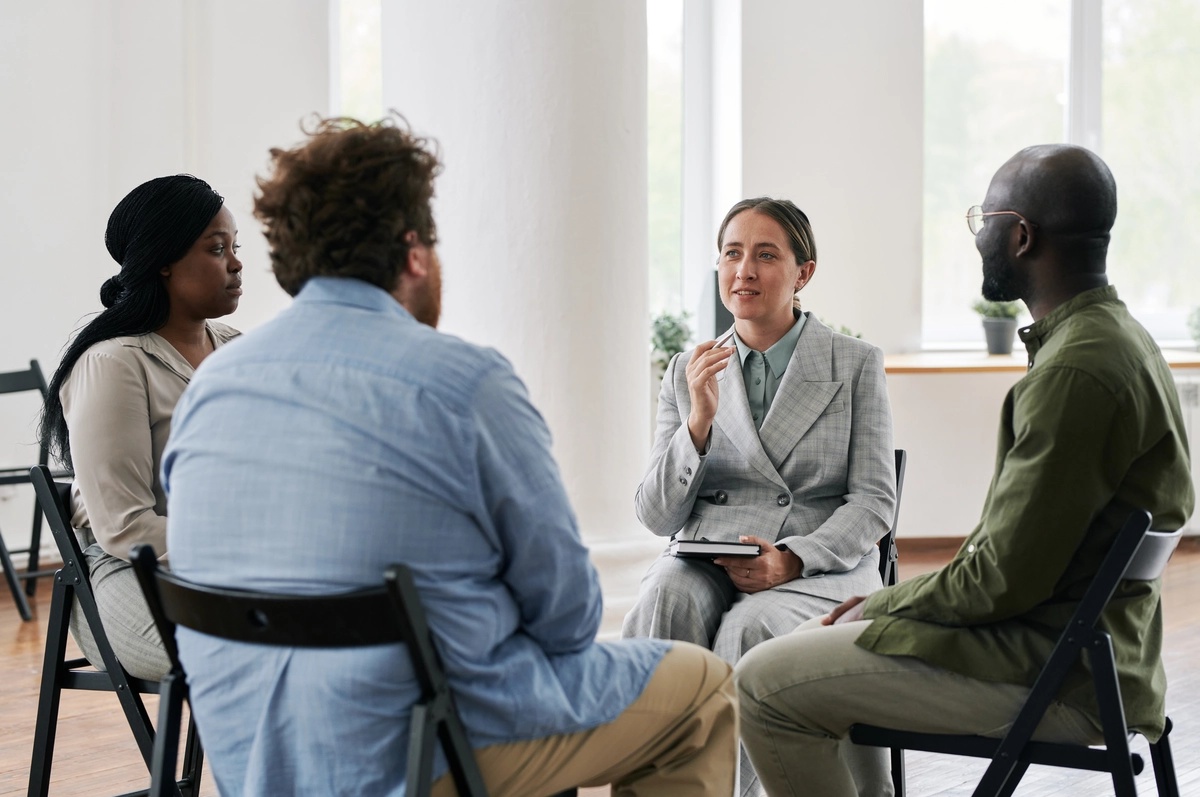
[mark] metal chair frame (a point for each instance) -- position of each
(343, 620)
(71, 584)
(889, 573)
(1136, 553)
(28, 380)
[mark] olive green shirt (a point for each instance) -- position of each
(1096, 420)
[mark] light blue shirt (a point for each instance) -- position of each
(763, 371)
(338, 438)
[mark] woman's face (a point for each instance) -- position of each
(757, 271)
(207, 281)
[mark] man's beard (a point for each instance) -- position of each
(1000, 281)
(426, 303)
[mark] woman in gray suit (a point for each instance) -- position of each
(779, 434)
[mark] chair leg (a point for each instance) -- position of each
(1164, 764)
(461, 757)
(1014, 779)
(14, 584)
(131, 701)
(1001, 775)
(898, 771)
(50, 690)
(422, 733)
(193, 761)
(166, 737)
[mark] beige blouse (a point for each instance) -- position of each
(118, 402)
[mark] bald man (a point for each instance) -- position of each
(1094, 422)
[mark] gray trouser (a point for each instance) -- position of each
(126, 618)
(694, 601)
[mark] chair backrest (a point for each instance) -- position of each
(29, 379)
(21, 381)
(889, 556)
(54, 497)
(1152, 555)
(374, 616)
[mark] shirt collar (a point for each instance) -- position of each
(780, 354)
(1037, 333)
(350, 292)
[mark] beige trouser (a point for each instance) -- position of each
(678, 738)
(800, 693)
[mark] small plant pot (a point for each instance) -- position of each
(999, 333)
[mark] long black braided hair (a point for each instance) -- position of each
(151, 228)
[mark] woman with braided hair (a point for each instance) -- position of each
(108, 412)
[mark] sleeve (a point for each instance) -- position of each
(106, 407)
(1062, 457)
(546, 568)
(668, 491)
(839, 544)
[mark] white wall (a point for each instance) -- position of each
(101, 95)
(948, 424)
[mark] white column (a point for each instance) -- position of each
(540, 110)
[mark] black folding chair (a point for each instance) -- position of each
(1136, 554)
(72, 583)
(889, 572)
(29, 380)
(391, 613)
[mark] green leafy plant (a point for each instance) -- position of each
(1194, 325)
(989, 309)
(669, 334)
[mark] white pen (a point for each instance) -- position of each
(727, 340)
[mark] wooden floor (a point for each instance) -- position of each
(95, 754)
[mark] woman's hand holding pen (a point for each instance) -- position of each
(708, 361)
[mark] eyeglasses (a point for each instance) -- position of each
(976, 216)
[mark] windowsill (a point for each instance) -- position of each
(942, 362)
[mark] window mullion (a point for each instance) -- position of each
(1084, 70)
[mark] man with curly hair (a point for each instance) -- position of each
(347, 434)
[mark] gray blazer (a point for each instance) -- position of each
(819, 478)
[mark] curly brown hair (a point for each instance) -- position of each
(340, 204)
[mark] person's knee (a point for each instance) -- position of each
(753, 671)
(680, 605)
(716, 696)
(738, 633)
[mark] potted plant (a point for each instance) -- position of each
(669, 333)
(999, 324)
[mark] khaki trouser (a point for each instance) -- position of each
(679, 738)
(800, 693)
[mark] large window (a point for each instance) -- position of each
(1002, 75)
(357, 59)
(1150, 136)
(994, 83)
